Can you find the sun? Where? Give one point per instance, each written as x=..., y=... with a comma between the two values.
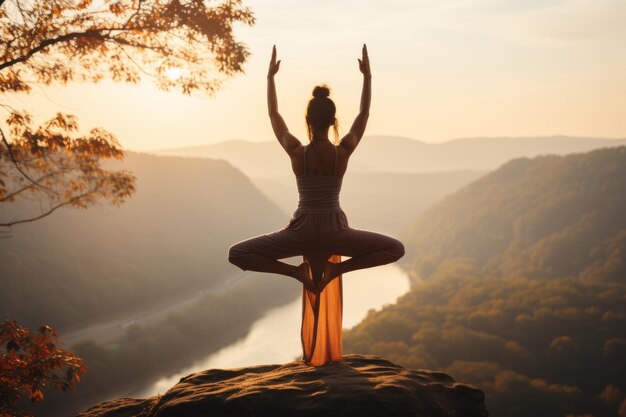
x=174, y=73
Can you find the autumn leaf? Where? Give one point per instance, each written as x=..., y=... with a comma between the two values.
x=38, y=364
x=36, y=396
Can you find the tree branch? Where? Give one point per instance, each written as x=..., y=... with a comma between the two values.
x=47, y=213
x=121, y=41
x=91, y=33
x=132, y=16
x=43, y=45
x=26, y=187
x=17, y=165
x=131, y=59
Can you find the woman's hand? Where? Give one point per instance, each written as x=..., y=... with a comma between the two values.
x=364, y=63
x=274, y=65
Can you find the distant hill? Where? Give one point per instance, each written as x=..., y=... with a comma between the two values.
x=383, y=201
x=549, y=216
x=172, y=236
x=522, y=289
x=390, y=179
x=398, y=154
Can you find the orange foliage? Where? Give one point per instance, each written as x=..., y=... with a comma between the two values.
x=50, y=163
x=64, y=40
x=58, y=41
x=31, y=362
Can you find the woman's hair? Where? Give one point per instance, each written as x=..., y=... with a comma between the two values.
x=320, y=112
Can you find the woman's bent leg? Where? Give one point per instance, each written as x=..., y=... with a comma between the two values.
x=261, y=254
x=365, y=249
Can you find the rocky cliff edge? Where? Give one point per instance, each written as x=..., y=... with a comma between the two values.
x=360, y=385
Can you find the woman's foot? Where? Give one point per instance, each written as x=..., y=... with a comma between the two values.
x=302, y=275
x=331, y=270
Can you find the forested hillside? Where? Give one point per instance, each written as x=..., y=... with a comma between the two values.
x=523, y=289
x=549, y=216
x=171, y=237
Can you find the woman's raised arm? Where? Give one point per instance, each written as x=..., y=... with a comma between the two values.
x=352, y=139
x=289, y=142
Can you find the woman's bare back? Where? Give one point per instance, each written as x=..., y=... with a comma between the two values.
x=320, y=159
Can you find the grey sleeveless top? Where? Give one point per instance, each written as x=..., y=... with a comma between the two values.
x=318, y=191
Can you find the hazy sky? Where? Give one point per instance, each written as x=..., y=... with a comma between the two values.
x=442, y=69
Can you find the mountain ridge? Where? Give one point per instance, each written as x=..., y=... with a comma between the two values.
x=379, y=153
x=404, y=138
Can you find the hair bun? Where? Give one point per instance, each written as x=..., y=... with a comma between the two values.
x=321, y=91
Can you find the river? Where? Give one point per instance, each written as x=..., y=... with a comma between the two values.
x=275, y=337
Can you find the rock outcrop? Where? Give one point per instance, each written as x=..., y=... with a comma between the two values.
x=361, y=385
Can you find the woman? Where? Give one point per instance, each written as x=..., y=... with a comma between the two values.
x=319, y=229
